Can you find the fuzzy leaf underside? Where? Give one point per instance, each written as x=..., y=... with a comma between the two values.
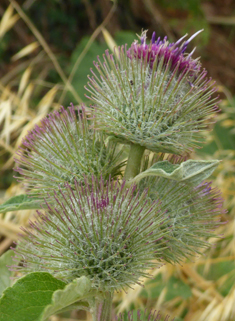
x=28, y=297
x=61, y=299
x=191, y=172
x=5, y=274
x=20, y=202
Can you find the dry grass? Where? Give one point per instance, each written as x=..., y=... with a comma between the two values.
x=26, y=97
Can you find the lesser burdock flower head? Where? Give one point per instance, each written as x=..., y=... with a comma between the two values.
x=103, y=231
x=193, y=214
x=65, y=146
x=155, y=95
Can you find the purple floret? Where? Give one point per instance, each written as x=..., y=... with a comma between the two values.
x=173, y=53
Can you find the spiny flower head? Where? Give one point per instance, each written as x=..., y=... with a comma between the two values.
x=102, y=231
x=193, y=213
x=154, y=95
x=64, y=147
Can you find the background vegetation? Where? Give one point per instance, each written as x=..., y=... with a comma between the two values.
x=46, y=51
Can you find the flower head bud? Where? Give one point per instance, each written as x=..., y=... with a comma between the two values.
x=63, y=148
x=154, y=95
x=102, y=231
x=193, y=213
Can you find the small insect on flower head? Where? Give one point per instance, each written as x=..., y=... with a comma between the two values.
x=154, y=95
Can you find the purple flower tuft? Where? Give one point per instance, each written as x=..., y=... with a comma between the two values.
x=170, y=53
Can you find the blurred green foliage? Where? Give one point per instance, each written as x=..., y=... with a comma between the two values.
x=58, y=20
x=216, y=271
x=223, y=134
x=174, y=288
x=190, y=5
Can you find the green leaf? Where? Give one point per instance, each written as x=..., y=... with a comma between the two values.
x=20, y=202
x=219, y=270
x=28, y=297
x=174, y=288
x=223, y=139
x=123, y=37
x=76, y=290
x=191, y=171
x=5, y=274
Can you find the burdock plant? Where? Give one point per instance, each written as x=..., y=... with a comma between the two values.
x=105, y=223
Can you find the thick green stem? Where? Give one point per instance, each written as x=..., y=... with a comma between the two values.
x=134, y=161
x=102, y=307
